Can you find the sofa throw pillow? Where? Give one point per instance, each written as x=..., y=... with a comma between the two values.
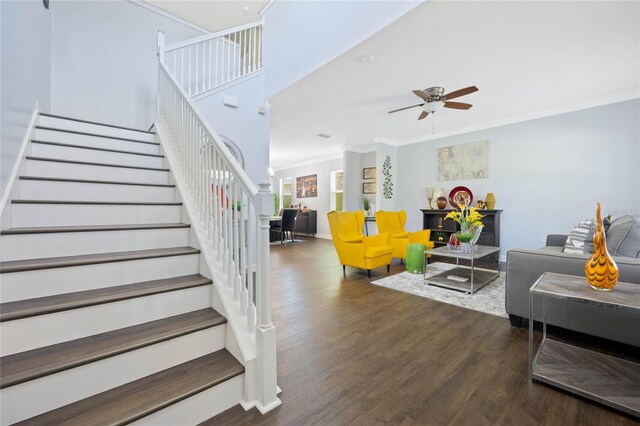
x=589, y=247
x=623, y=237
x=577, y=238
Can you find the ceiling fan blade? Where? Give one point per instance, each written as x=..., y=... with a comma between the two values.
x=457, y=105
x=402, y=109
x=460, y=92
x=423, y=115
x=422, y=95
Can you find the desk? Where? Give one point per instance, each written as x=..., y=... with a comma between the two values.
x=366, y=220
x=273, y=220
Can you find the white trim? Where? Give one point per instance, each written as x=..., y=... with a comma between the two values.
x=169, y=15
x=266, y=7
x=323, y=236
x=309, y=162
x=227, y=85
x=19, y=158
x=577, y=106
x=360, y=149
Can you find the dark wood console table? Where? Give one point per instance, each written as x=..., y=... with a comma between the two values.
x=433, y=220
x=307, y=223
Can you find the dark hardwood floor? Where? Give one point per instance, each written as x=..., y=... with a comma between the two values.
x=351, y=353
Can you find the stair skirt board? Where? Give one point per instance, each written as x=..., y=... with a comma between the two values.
x=43, y=330
x=28, y=215
x=79, y=153
x=36, y=246
x=54, y=169
x=55, y=390
x=86, y=191
x=48, y=282
x=96, y=141
x=79, y=125
x=199, y=407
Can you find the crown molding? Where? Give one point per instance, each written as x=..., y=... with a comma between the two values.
x=266, y=7
x=576, y=106
x=309, y=162
x=360, y=149
x=169, y=15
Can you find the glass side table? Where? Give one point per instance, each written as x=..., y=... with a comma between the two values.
x=603, y=378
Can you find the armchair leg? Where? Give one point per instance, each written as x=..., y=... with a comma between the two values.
x=344, y=269
x=388, y=268
x=369, y=273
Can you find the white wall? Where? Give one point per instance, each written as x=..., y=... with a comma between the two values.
x=322, y=202
x=301, y=36
x=25, y=71
x=547, y=174
x=352, y=166
x=243, y=125
x=104, y=60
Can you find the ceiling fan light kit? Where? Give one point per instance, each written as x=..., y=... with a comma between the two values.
x=435, y=99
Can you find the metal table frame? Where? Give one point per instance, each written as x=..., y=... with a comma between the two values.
x=485, y=275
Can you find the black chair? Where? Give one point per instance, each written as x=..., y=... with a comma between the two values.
x=287, y=224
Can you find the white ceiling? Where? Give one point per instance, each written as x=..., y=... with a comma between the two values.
x=213, y=15
x=529, y=59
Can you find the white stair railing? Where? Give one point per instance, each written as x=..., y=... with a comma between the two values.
x=230, y=216
x=207, y=62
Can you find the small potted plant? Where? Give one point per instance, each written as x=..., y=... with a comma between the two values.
x=471, y=226
x=366, y=204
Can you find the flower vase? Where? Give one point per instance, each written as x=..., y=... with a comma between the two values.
x=490, y=201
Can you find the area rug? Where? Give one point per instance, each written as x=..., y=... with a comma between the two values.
x=489, y=299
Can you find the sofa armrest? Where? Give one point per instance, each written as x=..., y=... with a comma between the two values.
x=556, y=240
x=524, y=267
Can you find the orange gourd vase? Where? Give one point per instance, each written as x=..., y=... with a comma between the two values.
x=601, y=270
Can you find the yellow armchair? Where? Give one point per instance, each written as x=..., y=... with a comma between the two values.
x=393, y=223
x=353, y=248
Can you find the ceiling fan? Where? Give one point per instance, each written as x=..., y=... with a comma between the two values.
x=435, y=99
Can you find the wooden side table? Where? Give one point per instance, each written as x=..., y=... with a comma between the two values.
x=603, y=378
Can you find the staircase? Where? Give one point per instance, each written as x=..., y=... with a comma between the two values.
x=105, y=300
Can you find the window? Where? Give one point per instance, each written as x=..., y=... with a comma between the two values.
x=337, y=185
x=285, y=192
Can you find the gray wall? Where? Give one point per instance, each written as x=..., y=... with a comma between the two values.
x=25, y=39
x=352, y=166
x=104, y=60
x=243, y=125
x=547, y=174
x=322, y=202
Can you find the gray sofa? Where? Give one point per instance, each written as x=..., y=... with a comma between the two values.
x=524, y=267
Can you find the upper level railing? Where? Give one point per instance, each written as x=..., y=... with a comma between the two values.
x=230, y=217
x=212, y=60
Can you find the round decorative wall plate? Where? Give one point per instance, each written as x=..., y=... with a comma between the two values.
x=460, y=194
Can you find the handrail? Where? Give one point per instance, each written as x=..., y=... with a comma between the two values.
x=245, y=180
x=205, y=63
x=230, y=216
x=210, y=36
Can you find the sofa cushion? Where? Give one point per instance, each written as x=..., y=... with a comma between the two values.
x=578, y=237
x=623, y=237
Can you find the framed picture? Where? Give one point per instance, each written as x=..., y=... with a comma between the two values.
x=369, y=188
x=307, y=186
x=369, y=173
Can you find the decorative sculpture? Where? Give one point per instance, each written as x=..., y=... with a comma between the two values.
x=601, y=270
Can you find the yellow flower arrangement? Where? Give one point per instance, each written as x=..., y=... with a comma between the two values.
x=469, y=220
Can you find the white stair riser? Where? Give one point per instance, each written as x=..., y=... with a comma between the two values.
x=35, y=246
x=83, y=171
x=48, y=282
x=38, y=396
x=81, y=191
x=92, y=155
x=27, y=215
x=95, y=141
x=199, y=407
x=43, y=330
x=79, y=126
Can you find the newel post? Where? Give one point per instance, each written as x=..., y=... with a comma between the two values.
x=267, y=389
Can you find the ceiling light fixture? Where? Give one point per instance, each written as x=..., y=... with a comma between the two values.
x=367, y=59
